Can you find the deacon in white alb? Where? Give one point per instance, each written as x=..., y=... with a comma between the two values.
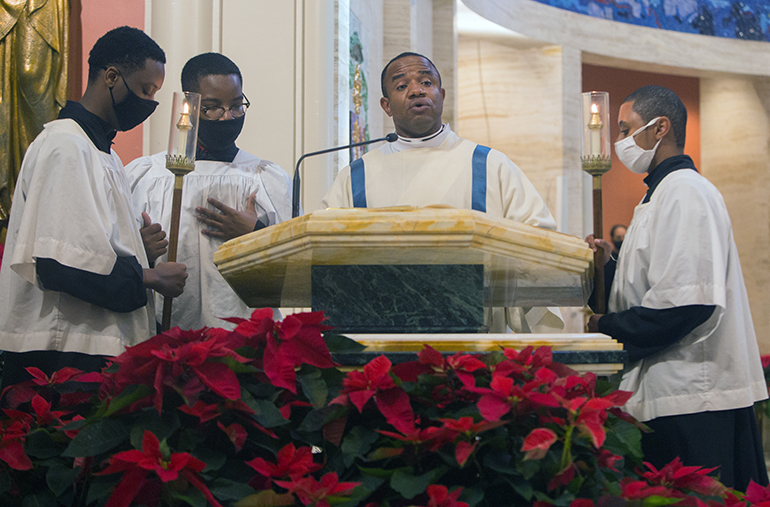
x=230, y=191
x=430, y=164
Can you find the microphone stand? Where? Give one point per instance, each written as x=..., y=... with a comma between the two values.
x=296, y=185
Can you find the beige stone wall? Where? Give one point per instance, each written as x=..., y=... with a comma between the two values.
x=735, y=154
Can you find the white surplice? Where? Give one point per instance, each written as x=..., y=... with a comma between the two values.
x=207, y=297
x=678, y=251
x=71, y=204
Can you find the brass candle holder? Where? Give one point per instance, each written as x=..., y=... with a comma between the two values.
x=180, y=160
x=596, y=161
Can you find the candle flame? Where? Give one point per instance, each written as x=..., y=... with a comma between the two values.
x=594, y=108
x=186, y=108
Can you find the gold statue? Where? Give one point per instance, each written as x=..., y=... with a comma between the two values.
x=33, y=48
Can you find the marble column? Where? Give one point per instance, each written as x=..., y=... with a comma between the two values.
x=183, y=30
x=735, y=156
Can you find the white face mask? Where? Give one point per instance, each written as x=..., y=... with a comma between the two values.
x=632, y=155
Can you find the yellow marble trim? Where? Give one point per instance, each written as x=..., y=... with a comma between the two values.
x=483, y=342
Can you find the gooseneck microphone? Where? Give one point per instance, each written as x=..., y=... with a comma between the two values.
x=296, y=187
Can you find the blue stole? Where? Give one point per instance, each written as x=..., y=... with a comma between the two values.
x=478, y=187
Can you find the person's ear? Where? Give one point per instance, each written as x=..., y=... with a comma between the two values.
x=385, y=105
x=111, y=76
x=663, y=127
x=443, y=94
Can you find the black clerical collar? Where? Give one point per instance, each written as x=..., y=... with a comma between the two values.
x=665, y=168
x=224, y=155
x=98, y=131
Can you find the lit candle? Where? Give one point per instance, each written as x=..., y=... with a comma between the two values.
x=595, y=125
x=184, y=125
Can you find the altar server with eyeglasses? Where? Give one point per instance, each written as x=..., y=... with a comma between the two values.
x=230, y=193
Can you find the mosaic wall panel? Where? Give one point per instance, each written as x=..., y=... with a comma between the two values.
x=747, y=19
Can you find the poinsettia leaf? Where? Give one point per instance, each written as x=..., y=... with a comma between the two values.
x=383, y=473
x=463, y=451
x=395, y=405
x=60, y=477
x=191, y=496
x=267, y=414
x=98, y=437
x=357, y=443
x=338, y=343
x=492, y=407
x=624, y=439
x=236, y=366
x=313, y=385
x=521, y=486
x=659, y=501
x=316, y=419
x=40, y=445
x=227, y=490
x=267, y=498
x=410, y=485
x=12, y=452
x=129, y=395
x=220, y=379
x=162, y=426
x=40, y=499
x=384, y=453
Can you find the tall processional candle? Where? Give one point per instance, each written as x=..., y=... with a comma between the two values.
x=596, y=161
x=180, y=160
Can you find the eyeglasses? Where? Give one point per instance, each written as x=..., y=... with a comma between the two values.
x=215, y=113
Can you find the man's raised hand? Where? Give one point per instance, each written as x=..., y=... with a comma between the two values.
x=154, y=238
x=228, y=223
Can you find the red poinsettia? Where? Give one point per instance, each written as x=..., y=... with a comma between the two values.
x=319, y=493
x=164, y=359
x=694, y=478
x=375, y=382
x=439, y=496
x=292, y=463
x=12, y=434
x=137, y=465
x=537, y=443
x=758, y=495
x=44, y=414
x=288, y=344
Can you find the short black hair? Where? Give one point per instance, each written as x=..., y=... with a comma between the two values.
x=653, y=101
x=403, y=55
x=207, y=64
x=615, y=228
x=125, y=47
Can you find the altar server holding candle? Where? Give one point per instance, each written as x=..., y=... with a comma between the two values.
x=75, y=277
x=230, y=193
x=679, y=305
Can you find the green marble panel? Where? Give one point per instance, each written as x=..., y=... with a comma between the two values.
x=400, y=299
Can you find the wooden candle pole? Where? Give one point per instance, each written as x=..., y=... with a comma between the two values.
x=601, y=306
x=173, y=240
x=179, y=164
x=596, y=164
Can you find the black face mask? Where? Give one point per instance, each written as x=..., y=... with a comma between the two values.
x=617, y=245
x=132, y=110
x=215, y=135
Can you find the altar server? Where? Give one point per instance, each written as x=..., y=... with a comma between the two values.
x=230, y=193
x=430, y=164
x=75, y=277
x=679, y=305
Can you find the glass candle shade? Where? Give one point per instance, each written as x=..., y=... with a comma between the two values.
x=596, y=124
x=183, y=136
